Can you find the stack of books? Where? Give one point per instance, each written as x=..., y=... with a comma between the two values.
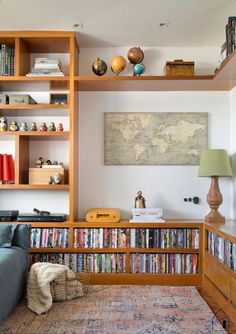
x=7, y=60
x=7, y=173
x=230, y=30
x=153, y=215
x=46, y=67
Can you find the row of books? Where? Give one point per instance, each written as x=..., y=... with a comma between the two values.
x=49, y=237
x=7, y=171
x=230, y=41
x=164, y=263
x=136, y=238
x=223, y=249
x=95, y=263
x=7, y=60
x=46, y=66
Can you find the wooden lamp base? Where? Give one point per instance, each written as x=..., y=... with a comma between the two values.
x=214, y=199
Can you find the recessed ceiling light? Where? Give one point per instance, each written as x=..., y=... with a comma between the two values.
x=165, y=24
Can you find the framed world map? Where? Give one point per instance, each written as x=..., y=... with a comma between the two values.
x=156, y=138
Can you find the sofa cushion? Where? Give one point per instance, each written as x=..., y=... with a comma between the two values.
x=6, y=234
x=21, y=236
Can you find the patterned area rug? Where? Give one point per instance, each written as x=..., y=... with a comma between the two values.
x=121, y=310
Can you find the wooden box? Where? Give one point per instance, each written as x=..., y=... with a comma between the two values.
x=41, y=175
x=178, y=67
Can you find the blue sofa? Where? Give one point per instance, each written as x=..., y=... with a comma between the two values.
x=14, y=244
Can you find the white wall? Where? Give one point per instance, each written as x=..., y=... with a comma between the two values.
x=162, y=186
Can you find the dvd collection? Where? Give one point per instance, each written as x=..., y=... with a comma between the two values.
x=136, y=238
x=49, y=238
x=7, y=60
x=223, y=249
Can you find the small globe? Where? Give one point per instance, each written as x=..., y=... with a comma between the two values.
x=99, y=67
x=118, y=64
x=135, y=55
x=139, y=69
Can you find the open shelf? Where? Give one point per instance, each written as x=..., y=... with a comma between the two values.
x=39, y=134
x=34, y=186
x=33, y=106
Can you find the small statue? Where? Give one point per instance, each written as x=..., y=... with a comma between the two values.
x=33, y=126
x=43, y=127
x=55, y=163
x=23, y=126
x=50, y=180
x=139, y=201
x=3, y=124
x=60, y=127
x=52, y=127
x=47, y=163
x=14, y=126
x=39, y=162
x=57, y=178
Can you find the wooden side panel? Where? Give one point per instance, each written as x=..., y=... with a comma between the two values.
x=22, y=159
x=73, y=166
x=233, y=291
x=22, y=58
x=217, y=274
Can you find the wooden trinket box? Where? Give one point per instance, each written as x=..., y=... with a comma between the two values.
x=178, y=67
x=41, y=175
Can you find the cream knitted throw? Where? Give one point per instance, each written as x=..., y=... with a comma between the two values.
x=48, y=282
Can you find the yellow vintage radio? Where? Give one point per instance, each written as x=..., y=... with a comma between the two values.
x=98, y=215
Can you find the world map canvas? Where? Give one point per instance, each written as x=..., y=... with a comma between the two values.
x=156, y=138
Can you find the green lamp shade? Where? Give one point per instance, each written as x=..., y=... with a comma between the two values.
x=215, y=162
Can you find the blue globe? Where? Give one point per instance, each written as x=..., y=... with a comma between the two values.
x=139, y=69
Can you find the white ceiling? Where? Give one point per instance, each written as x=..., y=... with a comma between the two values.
x=124, y=22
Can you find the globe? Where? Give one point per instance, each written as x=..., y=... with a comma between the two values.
x=99, y=67
x=139, y=69
x=135, y=55
x=118, y=64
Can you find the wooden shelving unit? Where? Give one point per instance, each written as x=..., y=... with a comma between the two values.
x=219, y=278
x=26, y=44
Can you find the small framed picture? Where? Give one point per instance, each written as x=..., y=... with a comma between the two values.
x=59, y=98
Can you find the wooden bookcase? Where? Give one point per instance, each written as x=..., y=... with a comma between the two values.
x=219, y=277
x=27, y=45
x=127, y=277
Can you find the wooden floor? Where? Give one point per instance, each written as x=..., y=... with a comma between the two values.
x=228, y=323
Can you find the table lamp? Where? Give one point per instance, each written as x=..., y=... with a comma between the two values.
x=214, y=163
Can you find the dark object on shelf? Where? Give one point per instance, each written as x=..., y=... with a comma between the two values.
x=21, y=99
x=48, y=162
x=58, y=98
x=55, y=163
x=42, y=213
x=33, y=126
x=138, y=69
x=43, y=127
x=60, y=127
x=135, y=55
x=52, y=127
x=3, y=124
x=31, y=217
x=8, y=215
x=99, y=67
x=23, y=126
x=4, y=99
x=178, y=67
x=39, y=162
x=14, y=126
x=139, y=201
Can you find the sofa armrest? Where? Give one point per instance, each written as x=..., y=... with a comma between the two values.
x=21, y=236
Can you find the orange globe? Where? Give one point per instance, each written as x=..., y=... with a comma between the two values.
x=118, y=64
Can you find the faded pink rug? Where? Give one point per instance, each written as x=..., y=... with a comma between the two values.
x=121, y=310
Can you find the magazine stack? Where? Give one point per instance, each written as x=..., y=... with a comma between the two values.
x=149, y=215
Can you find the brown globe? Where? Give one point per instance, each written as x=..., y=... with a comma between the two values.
x=99, y=67
x=118, y=64
x=135, y=55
